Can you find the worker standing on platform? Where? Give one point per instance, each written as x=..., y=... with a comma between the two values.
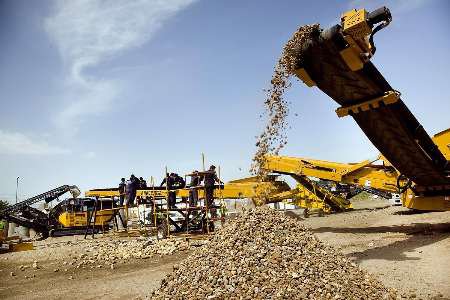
x=132, y=186
x=142, y=183
x=210, y=178
x=122, y=191
x=193, y=191
x=179, y=182
x=170, y=181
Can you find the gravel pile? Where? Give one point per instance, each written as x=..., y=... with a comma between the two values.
x=109, y=252
x=264, y=254
x=138, y=248
x=274, y=137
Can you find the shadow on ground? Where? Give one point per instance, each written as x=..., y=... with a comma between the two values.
x=417, y=235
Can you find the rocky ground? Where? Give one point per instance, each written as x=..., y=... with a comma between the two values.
x=72, y=267
x=405, y=251
x=264, y=254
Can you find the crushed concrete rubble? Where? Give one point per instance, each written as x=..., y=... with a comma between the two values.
x=263, y=254
x=112, y=250
x=109, y=251
x=274, y=138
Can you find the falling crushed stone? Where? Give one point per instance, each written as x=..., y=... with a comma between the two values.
x=274, y=137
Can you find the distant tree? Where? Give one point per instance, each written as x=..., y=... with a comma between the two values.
x=3, y=204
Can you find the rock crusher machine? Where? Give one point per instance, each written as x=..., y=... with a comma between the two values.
x=326, y=187
x=337, y=61
x=69, y=216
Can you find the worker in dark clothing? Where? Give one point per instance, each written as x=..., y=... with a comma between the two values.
x=179, y=182
x=129, y=190
x=132, y=188
x=209, y=179
x=169, y=181
x=142, y=183
x=165, y=180
x=193, y=191
x=122, y=191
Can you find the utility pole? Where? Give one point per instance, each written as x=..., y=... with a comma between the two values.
x=17, y=187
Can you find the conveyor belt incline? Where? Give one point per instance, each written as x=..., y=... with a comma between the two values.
x=393, y=129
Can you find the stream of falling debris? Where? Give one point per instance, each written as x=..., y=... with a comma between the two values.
x=274, y=136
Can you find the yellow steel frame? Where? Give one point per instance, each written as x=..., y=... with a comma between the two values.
x=269, y=191
x=432, y=203
x=364, y=173
x=301, y=197
x=237, y=189
x=356, y=29
x=442, y=140
x=304, y=76
x=390, y=98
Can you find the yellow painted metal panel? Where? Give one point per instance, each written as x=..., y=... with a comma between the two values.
x=430, y=203
x=21, y=247
x=442, y=140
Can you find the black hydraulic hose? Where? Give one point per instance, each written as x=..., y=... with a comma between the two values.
x=378, y=28
x=402, y=189
x=380, y=15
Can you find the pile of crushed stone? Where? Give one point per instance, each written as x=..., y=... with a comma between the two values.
x=263, y=254
x=274, y=137
x=140, y=248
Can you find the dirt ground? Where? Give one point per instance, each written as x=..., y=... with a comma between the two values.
x=57, y=278
x=405, y=250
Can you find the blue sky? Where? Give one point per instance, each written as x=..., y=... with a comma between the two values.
x=92, y=91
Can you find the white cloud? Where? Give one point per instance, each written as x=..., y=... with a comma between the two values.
x=88, y=32
x=90, y=155
x=18, y=143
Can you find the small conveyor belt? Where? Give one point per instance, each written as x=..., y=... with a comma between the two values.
x=336, y=202
x=47, y=197
x=393, y=129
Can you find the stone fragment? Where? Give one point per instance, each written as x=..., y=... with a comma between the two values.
x=35, y=265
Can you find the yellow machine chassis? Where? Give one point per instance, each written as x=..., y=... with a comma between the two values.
x=80, y=219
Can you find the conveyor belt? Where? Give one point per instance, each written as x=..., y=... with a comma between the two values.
x=30, y=217
x=336, y=202
x=47, y=197
x=393, y=129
